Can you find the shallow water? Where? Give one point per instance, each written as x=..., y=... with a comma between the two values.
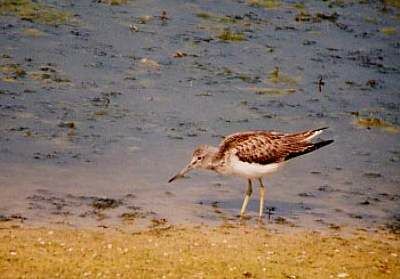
x=123, y=125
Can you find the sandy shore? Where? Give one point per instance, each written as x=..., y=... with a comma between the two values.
x=93, y=111
x=232, y=251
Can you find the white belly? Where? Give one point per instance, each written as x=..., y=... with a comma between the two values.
x=251, y=170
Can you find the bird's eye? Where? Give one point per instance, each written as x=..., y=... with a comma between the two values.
x=199, y=158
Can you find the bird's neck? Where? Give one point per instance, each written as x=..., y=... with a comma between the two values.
x=215, y=162
x=211, y=157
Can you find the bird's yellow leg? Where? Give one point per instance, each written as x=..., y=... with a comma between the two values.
x=262, y=195
x=246, y=198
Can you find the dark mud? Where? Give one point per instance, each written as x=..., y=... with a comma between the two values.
x=99, y=108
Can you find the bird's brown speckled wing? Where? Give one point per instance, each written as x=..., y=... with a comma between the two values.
x=264, y=147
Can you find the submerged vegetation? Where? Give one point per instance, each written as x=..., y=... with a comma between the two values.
x=276, y=76
x=372, y=122
x=268, y=4
x=33, y=32
x=11, y=72
x=228, y=35
x=216, y=18
x=273, y=91
x=389, y=30
x=34, y=11
x=48, y=73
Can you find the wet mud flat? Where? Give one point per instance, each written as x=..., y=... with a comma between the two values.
x=101, y=101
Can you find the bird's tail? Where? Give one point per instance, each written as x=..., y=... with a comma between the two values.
x=312, y=134
x=312, y=148
x=320, y=144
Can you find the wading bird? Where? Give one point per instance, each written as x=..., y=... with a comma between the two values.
x=253, y=155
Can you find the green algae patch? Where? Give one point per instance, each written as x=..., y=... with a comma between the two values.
x=216, y=18
x=372, y=122
x=34, y=11
x=388, y=31
x=201, y=252
x=49, y=74
x=299, y=6
x=276, y=76
x=268, y=4
x=228, y=35
x=11, y=72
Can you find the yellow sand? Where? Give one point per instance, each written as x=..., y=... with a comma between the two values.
x=196, y=252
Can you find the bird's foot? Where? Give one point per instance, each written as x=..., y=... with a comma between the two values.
x=244, y=217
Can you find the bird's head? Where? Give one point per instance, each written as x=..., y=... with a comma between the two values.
x=201, y=159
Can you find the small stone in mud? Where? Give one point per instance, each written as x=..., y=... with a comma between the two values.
x=326, y=188
x=93, y=213
x=355, y=216
x=105, y=203
x=4, y=218
x=133, y=28
x=282, y=221
x=144, y=19
x=372, y=83
x=133, y=207
x=150, y=63
x=18, y=217
x=215, y=204
x=158, y=222
x=307, y=194
x=334, y=226
x=394, y=159
x=131, y=216
x=63, y=213
x=68, y=124
x=309, y=43
x=372, y=175
x=47, y=68
x=366, y=202
x=247, y=274
x=175, y=137
x=180, y=54
x=191, y=135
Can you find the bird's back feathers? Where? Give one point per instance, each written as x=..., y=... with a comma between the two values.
x=266, y=147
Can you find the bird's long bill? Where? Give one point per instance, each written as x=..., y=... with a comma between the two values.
x=181, y=173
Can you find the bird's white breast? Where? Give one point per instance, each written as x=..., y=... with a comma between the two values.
x=251, y=170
